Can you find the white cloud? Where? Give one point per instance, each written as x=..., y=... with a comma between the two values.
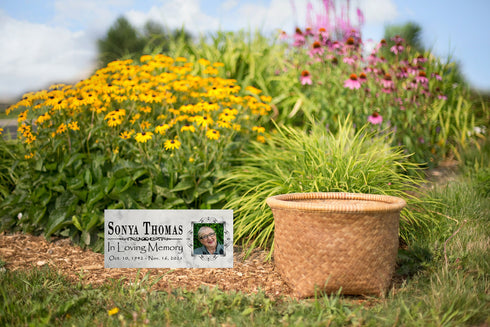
x=177, y=14
x=35, y=55
x=378, y=11
x=229, y=4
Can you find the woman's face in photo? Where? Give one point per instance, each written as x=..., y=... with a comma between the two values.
x=208, y=238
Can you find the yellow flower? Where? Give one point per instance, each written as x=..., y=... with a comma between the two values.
x=171, y=144
x=1, y=130
x=113, y=122
x=265, y=98
x=22, y=116
x=113, y=311
x=261, y=138
x=253, y=90
x=258, y=129
x=162, y=129
x=61, y=128
x=212, y=134
x=43, y=118
x=203, y=120
x=29, y=156
x=143, y=137
x=188, y=128
x=145, y=125
x=146, y=109
x=224, y=124
x=226, y=116
x=125, y=135
x=204, y=62
x=191, y=160
x=74, y=126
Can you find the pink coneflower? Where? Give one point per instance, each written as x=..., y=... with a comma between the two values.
x=420, y=58
x=322, y=32
x=305, y=78
x=352, y=83
x=283, y=35
x=387, y=90
x=387, y=82
x=422, y=77
x=397, y=48
x=362, y=77
x=375, y=118
x=402, y=72
x=437, y=76
x=317, y=49
x=299, y=38
x=350, y=60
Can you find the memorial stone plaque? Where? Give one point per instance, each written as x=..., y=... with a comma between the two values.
x=168, y=238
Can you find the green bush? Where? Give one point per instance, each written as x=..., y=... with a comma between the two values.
x=158, y=134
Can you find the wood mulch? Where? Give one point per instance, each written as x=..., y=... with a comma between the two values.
x=248, y=275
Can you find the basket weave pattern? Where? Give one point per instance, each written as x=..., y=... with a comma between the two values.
x=332, y=241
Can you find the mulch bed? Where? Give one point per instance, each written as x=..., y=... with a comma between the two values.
x=248, y=275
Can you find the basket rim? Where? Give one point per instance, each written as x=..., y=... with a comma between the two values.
x=373, y=202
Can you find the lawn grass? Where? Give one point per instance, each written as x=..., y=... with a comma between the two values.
x=443, y=272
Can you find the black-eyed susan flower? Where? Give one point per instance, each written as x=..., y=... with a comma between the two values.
x=22, y=116
x=113, y=122
x=74, y=126
x=212, y=134
x=188, y=128
x=143, y=137
x=171, y=144
x=61, y=128
x=162, y=129
x=224, y=124
x=203, y=121
x=253, y=90
x=145, y=124
x=125, y=135
x=258, y=129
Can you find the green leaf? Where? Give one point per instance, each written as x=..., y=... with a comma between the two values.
x=87, y=177
x=108, y=184
x=76, y=223
x=75, y=183
x=85, y=238
x=95, y=195
x=121, y=185
x=184, y=184
x=139, y=173
x=56, y=220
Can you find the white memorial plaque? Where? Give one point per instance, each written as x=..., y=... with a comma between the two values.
x=168, y=239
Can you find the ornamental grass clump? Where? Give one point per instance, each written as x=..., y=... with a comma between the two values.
x=318, y=160
x=154, y=134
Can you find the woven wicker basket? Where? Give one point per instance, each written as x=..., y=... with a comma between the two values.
x=336, y=241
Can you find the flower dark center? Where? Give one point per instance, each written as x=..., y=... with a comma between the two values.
x=305, y=73
x=353, y=77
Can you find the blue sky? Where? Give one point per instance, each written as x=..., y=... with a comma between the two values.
x=52, y=41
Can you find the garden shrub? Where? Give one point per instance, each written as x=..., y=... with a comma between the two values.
x=158, y=134
x=318, y=160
